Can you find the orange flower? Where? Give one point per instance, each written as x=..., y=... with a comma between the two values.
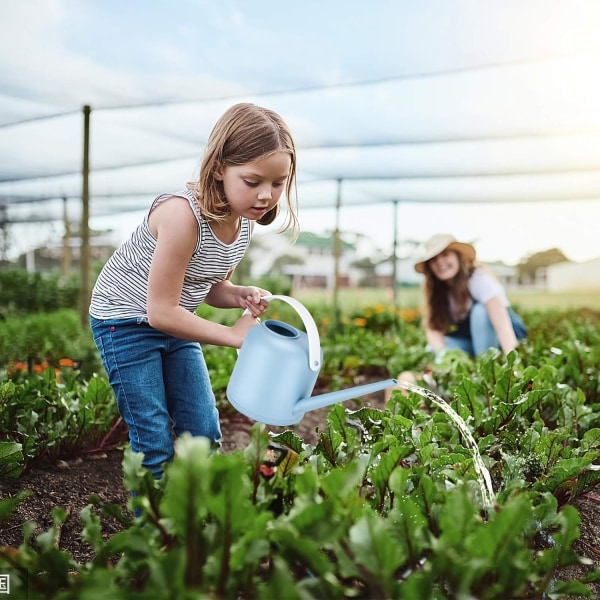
x=17, y=366
x=67, y=362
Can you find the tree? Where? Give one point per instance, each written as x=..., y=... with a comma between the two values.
x=283, y=260
x=368, y=268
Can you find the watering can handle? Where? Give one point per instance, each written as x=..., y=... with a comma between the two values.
x=314, y=343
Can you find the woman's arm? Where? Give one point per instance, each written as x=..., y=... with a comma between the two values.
x=502, y=324
x=176, y=231
x=435, y=339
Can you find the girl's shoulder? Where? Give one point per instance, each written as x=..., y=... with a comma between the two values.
x=185, y=193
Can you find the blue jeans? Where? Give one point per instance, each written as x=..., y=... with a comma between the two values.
x=480, y=334
x=161, y=384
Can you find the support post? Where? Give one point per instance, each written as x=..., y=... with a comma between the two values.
x=395, y=291
x=85, y=217
x=66, y=256
x=337, y=251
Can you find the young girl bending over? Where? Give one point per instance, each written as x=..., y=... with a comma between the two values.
x=466, y=306
x=143, y=305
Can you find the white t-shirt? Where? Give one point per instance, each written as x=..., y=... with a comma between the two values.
x=483, y=287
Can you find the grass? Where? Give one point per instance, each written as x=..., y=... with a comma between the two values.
x=526, y=299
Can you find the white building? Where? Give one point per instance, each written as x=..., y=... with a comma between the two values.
x=573, y=276
x=311, y=262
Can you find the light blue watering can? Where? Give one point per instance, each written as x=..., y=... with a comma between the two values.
x=277, y=368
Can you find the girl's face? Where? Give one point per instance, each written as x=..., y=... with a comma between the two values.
x=255, y=188
x=445, y=265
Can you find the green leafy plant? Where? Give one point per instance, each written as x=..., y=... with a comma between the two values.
x=42, y=420
x=386, y=503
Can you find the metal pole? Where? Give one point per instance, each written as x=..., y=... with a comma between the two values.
x=395, y=257
x=85, y=217
x=66, y=257
x=336, y=256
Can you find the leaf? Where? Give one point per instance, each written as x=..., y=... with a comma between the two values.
x=303, y=552
x=317, y=521
x=563, y=475
x=11, y=459
x=281, y=583
x=458, y=517
x=591, y=439
x=345, y=480
x=187, y=486
x=133, y=470
x=286, y=466
x=8, y=505
x=587, y=481
x=375, y=548
x=370, y=417
x=290, y=439
x=411, y=527
x=504, y=412
x=388, y=462
x=92, y=529
x=328, y=444
x=337, y=419
x=228, y=496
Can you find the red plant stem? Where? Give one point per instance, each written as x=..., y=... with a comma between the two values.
x=107, y=436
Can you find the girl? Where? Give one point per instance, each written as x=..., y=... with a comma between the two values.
x=143, y=305
x=466, y=306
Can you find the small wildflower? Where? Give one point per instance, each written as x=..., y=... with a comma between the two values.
x=67, y=362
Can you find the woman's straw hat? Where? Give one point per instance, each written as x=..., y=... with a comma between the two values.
x=440, y=242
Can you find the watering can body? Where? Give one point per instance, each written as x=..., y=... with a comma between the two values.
x=276, y=371
x=270, y=370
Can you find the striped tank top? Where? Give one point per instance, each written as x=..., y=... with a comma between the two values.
x=120, y=292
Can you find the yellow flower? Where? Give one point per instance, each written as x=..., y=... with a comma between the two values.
x=408, y=314
x=360, y=322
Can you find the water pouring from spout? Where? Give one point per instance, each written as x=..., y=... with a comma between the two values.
x=483, y=474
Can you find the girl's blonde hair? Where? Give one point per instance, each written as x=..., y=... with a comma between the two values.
x=437, y=293
x=243, y=134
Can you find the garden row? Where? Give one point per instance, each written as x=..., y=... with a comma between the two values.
x=387, y=504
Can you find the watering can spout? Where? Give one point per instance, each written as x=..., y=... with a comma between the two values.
x=322, y=400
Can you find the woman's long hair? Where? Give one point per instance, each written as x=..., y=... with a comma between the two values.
x=437, y=314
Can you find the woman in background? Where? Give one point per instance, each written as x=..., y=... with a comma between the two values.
x=466, y=307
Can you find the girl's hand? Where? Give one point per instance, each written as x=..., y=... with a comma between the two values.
x=241, y=328
x=251, y=299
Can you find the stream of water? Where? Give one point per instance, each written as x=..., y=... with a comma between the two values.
x=483, y=475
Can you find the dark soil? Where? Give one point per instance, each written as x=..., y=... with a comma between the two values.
x=69, y=484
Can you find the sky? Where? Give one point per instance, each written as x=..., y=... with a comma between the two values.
x=475, y=117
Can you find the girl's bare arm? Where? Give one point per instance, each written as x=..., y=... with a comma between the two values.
x=176, y=229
